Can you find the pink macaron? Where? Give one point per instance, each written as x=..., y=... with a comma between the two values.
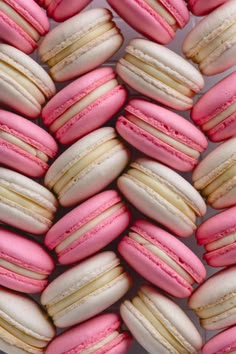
x=162, y=259
x=59, y=9
x=24, y=264
x=158, y=20
x=89, y=227
x=84, y=105
x=215, y=111
x=24, y=146
x=217, y=235
x=222, y=343
x=22, y=23
x=101, y=334
x=161, y=134
x=203, y=7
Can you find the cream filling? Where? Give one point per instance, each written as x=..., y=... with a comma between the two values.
x=83, y=163
x=24, y=337
x=100, y=344
x=224, y=241
x=82, y=41
x=163, y=12
x=22, y=80
x=19, y=20
x=219, y=118
x=159, y=326
x=23, y=145
x=164, y=137
x=206, y=51
x=24, y=202
x=159, y=187
x=220, y=180
x=219, y=307
x=20, y=270
x=89, y=226
x=162, y=255
x=159, y=75
x=86, y=290
x=82, y=104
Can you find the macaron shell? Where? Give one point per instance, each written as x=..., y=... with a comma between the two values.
x=60, y=11
x=201, y=7
x=223, y=342
x=8, y=348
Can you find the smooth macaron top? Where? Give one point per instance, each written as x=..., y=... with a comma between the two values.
x=203, y=7
x=99, y=333
x=156, y=20
x=60, y=11
x=217, y=116
x=222, y=343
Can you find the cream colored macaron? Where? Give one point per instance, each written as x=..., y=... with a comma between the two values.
x=87, y=167
x=86, y=289
x=80, y=44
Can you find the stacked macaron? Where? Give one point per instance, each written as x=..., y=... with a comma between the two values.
x=100, y=191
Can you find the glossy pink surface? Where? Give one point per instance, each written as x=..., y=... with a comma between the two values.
x=203, y=7
x=60, y=11
x=222, y=343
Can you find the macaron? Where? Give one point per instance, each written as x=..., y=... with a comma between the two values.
x=161, y=134
x=102, y=333
x=87, y=167
x=212, y=42
x=24, y=146
x=215, y=178
x=80, y=44
x=59, y=9
x=222, y=343
x=24, y=264
x=89, y=227
x=214, y=300
x=203, y=7
x=163, y=195
x=24, y=203
x=86, y=289
x=24, y=84
x=161, y=259
x=25, y=327
x=159, y=324
x=217, y=235
x=215, y=111
x=157, y=20
x=159, y=73
x=84, y=105
x=22, y=23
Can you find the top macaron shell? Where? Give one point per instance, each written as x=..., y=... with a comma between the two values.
x=90, y=115
x=222, y=343
x=27, y=142
x=145, y=18
x=59, y=9
x=217, y=117
x=203, y=7
x=179, y=144
x=16, y=34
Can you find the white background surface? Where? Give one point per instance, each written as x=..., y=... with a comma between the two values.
x=129, y=33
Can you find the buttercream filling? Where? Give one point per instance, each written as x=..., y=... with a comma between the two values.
x=159, y=326
x=89, y=226
x=224, y=177
x=161, y=188
x=23, y=145
x=20, y=270
x=216, y=41
x=157, y=251
x=24, y=202
x=82, y=104
x=22, y=80
x=96, y=32
x=163, y=12
x=19, y=20
x=100, y=344
x=162, y=136
x=24, y=337
x=222, y=242
x=219, y=118
x=86, y=290
x=84, y=162
x=159, y=75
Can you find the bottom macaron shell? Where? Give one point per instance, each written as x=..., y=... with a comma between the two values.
x=222, y=343
x=153, y=269
x=222, y=257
